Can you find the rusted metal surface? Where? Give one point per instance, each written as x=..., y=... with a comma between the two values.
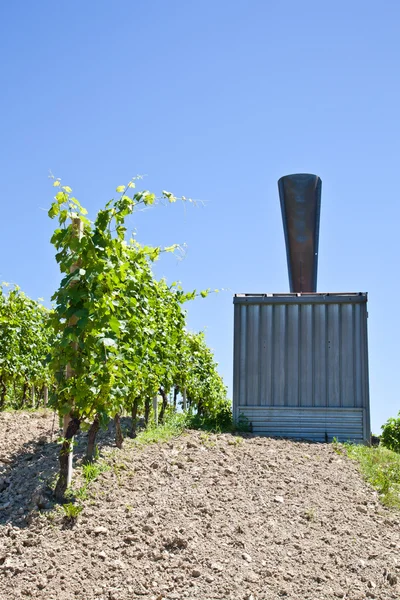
x=300, y=197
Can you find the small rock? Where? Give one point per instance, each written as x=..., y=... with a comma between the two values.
x=100, y=529
x=246, y=557
x=41, y=584
x=29, y=542
x=191, y=444
x=362, y=509
x=149, y=529
x=371, y=584
x=196, y=573
x=209, y=578
x=251, y=577
x=131, y=539
x=39, y=500
x=217, y=567
x=102, y=555
x=229, y=471
x=279, y=499
x=157, y=556
x=177, y=542
x=290, y=575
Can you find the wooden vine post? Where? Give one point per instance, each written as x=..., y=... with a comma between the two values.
x=70, y=425
x=184, y=399
x=77, y=226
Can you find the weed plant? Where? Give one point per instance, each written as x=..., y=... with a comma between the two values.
x=72, y=511
x=91, y=471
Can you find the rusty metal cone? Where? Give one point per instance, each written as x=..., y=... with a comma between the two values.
x=300, y=197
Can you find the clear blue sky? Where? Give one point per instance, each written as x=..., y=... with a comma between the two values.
x=214, y=100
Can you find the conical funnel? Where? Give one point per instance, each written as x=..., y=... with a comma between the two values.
x=300, y=197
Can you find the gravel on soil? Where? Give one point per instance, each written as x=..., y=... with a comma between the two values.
x=199, y=517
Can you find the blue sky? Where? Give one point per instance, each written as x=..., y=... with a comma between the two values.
x=215, y=101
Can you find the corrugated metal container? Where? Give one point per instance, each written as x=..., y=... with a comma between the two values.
x=301, y=365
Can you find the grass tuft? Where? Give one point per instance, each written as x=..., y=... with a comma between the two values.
x=381, y=468
x=174, y=426
x=72, y=511
x=91, y=471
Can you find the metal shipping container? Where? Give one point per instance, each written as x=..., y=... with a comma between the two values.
x=301, y=365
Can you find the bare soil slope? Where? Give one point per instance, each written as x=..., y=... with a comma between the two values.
x=200, y=517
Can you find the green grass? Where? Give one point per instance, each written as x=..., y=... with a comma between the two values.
x=174, y=425
x=381, y=468
x=72, y=511
x=91, y=471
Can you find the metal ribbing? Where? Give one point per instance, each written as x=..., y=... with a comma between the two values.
x=301, y=355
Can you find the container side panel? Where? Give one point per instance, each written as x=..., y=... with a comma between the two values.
x=252, y=344
x=279, y=344
x=293, y=357
x=333, y=359
x=364, y=362
x=266, y=355
x=347, y=391
x=320, y=347
x=318, y=424
x=303, y=357
x=366, y=402
x=243, y=352
x=306, y=355
x=358, y=356
x=236, y=359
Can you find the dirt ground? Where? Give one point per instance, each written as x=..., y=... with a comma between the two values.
x=200, y=517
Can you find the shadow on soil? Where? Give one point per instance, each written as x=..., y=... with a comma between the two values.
x=27, y=477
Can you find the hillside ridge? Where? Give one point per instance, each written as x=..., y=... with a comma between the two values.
x=201, y=516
